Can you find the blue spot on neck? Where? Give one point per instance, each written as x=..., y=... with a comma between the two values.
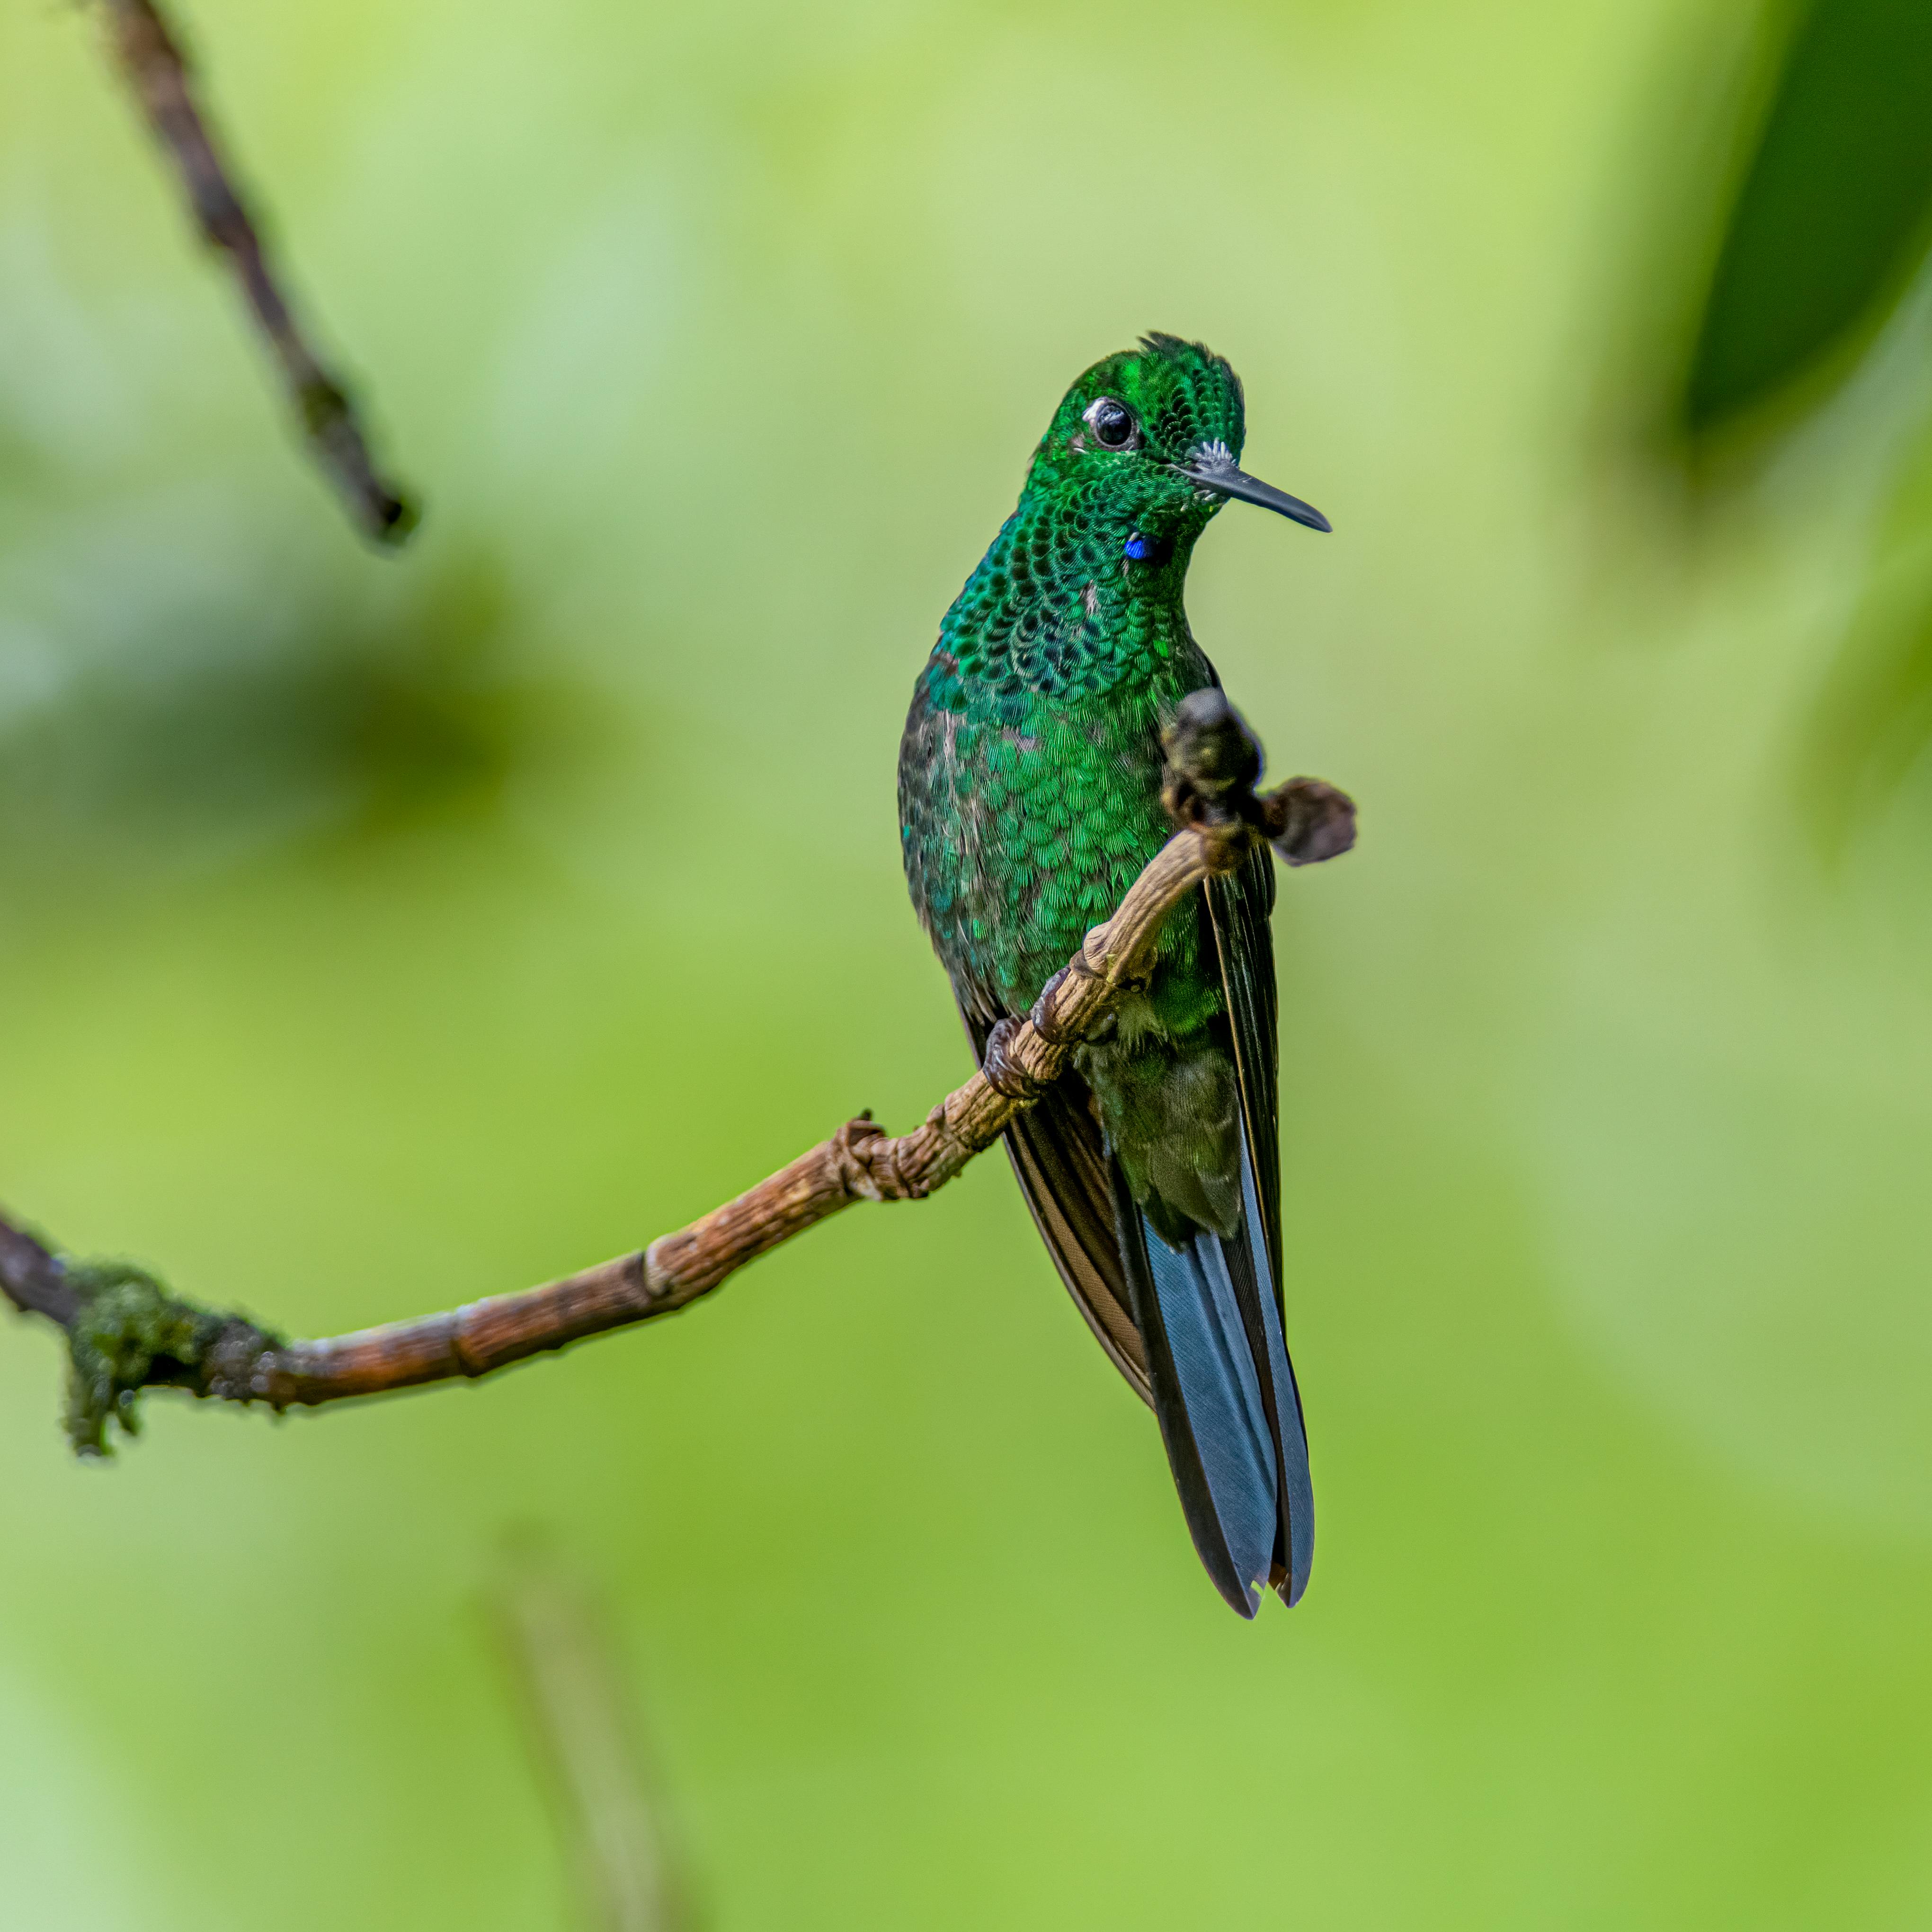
x=1139, y=548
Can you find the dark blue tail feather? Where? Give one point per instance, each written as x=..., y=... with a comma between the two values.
x=1225, y=1394
x=1298, y=1486
x=1222, y=1395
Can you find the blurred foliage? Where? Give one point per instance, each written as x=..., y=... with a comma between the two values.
x=1830, y=216
x=222, y=732
x=1809, y=328
x=1867, y=741
x=566, y=1665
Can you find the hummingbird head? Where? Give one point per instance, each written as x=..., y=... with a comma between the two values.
x=1152, y=437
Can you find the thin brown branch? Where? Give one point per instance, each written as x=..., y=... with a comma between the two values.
x=162, y=79
x=127, y=1332
x=35, y=1279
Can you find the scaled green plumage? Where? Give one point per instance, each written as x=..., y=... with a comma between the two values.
x=1030, y=778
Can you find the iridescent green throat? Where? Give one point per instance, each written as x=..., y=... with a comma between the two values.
x=1057, y=609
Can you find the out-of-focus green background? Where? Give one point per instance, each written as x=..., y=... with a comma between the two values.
x=375, y=933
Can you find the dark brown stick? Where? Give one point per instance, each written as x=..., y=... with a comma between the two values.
x=126, y=1332
x=36, y=1280
x=160, y=74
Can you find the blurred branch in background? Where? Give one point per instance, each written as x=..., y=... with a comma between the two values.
x=577, y=1710
x=127, y=1332
x=158, y=72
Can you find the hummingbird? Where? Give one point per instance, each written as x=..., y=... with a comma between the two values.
x=1029, y=799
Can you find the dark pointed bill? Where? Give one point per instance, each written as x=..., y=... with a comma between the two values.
x=1211, y=467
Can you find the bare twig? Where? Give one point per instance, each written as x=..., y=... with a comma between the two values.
x=160, y=74
x=126, y=1332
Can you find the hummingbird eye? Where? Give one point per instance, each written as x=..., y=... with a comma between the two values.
x=1113, y=424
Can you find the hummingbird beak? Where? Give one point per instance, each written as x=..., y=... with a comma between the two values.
x=1209, y=465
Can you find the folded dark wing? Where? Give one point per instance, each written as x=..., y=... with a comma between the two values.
x=1238, y=908
x=1061, y=1163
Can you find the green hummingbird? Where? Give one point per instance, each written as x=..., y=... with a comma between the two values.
x=1029, y=799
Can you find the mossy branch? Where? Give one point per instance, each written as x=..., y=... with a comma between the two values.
x=126, y=1332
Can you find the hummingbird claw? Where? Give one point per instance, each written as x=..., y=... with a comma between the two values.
x=1004, y=1075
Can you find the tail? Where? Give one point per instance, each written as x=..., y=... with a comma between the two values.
x=1224, y=1391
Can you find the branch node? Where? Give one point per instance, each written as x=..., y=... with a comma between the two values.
x=234, y=1364
x=866, y=1160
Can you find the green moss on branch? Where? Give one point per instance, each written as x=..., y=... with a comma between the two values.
x=130, y=1333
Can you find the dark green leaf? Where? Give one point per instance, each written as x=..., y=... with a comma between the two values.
x=1832, y=213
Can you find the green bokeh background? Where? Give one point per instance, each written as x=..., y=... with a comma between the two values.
x=377, y=933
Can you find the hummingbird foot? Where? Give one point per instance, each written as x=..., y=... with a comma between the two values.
x=1004, y=1074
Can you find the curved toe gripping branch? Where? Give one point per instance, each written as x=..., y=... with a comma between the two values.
x=125, y=1331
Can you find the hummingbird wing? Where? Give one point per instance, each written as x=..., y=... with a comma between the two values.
x=1238, y=909
x=1061, y=1163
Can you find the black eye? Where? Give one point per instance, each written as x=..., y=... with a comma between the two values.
x=1113, y=424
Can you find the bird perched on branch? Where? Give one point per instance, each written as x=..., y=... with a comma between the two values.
x=1029, y=799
